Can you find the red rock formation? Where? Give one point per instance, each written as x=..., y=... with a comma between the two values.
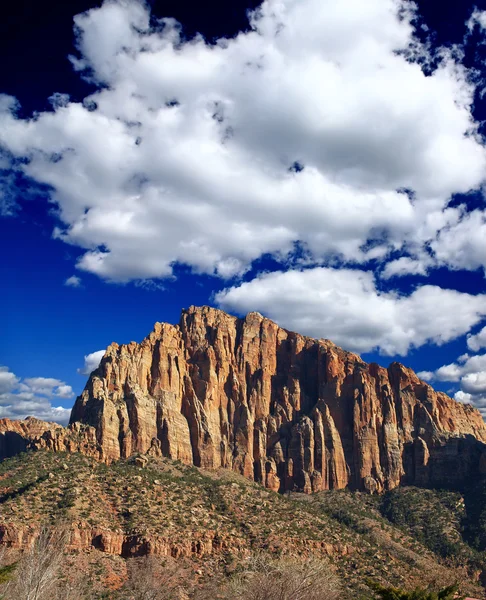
x=83, y=537
x=285, y=410
x=15, y=436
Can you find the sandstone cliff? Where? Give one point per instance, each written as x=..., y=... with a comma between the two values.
x=286, y=410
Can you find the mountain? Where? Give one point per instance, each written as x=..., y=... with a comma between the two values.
x=285, y=410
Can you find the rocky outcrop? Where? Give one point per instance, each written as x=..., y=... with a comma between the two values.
x=286, y=410
x=15, y=436
x=78, y=437
x=81, y=537
x=33, y=434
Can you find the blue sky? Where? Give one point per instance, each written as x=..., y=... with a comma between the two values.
x=320, y=162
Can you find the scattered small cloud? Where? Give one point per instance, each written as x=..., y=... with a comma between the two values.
x=464, y=366
x=405, y=266
x=470, y=373
x=73, y=281
x=8, y=380
x=426, y=375
x=33, y=396
x=91, y=362
x=460, y=245
x=478, y=18
x=150, y=285
x=478, y=341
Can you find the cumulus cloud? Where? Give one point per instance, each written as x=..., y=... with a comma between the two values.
x=91, y=362
x=346, y=306
x=474, y=383
x=465, y=365
x=33, y=396
x=405, y=265
x=477, y=341
x=316, y=126
x=462, y=245
x=73, y=281
x=478, y=400
x=470, y=373
x=7, y=380
x=478, y=18
x=426, y=375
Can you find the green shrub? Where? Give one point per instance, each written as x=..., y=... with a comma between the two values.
x=392, y=593
x=7, y=572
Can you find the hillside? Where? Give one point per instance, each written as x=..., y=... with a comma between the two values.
x=211, y=522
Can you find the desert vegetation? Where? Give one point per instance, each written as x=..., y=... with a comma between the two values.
x=41, y=574
x=157, y=529
x=37, y=573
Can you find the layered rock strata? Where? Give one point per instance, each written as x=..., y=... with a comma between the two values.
x=82, y=537
x=288, y=411
x=282, y=409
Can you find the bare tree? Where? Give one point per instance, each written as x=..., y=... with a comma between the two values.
x=285, y=579
x=38, y=569
x=150, y=578
x=8, y=568
x=76, y=587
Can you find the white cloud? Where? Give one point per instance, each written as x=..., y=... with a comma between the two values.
x=8, y=381
x=464, y=366
x=457, y=241
x=462, y=245
x=48, y=386
x=461, y=396
x=426, y=375
x=450, y=372
x=33, y=396
x=478, y=400
x=478, y=341
x=73, y=281
x=64, y=391
x=478, y=17
x=91, y=362
x=405, y=265
x=346, y=307
x=183, y=154
x=474, y=383
x=470, y=371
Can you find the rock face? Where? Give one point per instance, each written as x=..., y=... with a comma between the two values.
x=15, y=436
x=82, y=537
x=286, y=410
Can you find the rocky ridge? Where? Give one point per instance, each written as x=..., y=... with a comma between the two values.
x=282, y=409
